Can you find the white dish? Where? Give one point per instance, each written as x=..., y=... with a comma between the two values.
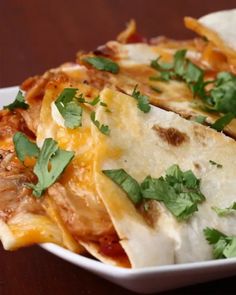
x=145, y=280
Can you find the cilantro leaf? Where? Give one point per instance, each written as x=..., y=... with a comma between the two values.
x=179, y=205
x=24, y=147
x=19, y=102
x=143, y=100
x=200, y=119
x=223, y=246
x=101, y=127
x=95, y=101
x=126, y=182
x=181, y=69
x=69, y=108
x=180, y=62
x=223, y=121
x=165, y=69
x=213, y=235
x=225, y=211
x=161, y=67
x=179, y=191
x=221, y=97
x=193, y=73
x=156, y=89
x=224, y=92
x=215, y=164
x=50, y=164
x=103, y=64
x=103, y=104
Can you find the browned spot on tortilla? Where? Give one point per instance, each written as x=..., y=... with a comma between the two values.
x=200, y=135
x=171, y=135
x=197, y=166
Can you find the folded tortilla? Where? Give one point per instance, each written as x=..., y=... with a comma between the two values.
x=74, y=197
x=140, y=144
x=215, y=55
x=217, y=27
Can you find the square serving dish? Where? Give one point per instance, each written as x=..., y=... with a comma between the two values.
x=145, y=280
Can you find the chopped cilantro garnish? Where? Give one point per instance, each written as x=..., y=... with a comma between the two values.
x=178, y=190
x=223, y=121
x=225, y=211
x=126, y=182
x=19, y=102
x=180, y=69
x=101, y=127
x=223, y=246
x=224, y=92
x=156, y=89
x=200, y=119
x=103, y=64
x=215, y=164
x=51, y=160
x=69, y=108
x=103, y=104
x=220, y=98
x=50, y=164
x=143, y=100
x=94, y=102
x=24, y=147
x=161, y=67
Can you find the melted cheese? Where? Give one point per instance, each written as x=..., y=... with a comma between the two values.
x=26, y=229
x=75, y=199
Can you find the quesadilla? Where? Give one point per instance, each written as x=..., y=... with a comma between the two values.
x=146, y=148
x=121, y=155
x=155, y=68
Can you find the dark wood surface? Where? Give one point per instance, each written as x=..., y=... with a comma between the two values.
x=38, y=35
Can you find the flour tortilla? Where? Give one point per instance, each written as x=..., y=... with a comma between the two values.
x=219, y=28
x=134, y=61
x=223, y=23
x=134, y=145
x=73, y=202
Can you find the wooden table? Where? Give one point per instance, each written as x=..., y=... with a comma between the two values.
x=38, y=35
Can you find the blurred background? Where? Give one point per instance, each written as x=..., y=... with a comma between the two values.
x=38, y=35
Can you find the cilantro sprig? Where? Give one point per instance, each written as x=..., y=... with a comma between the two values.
x=24, y=147
x=101, y=127
x=200, y=119
x=219, y=98
x=94, y=102
x=143, y=100
x=225, y=211
x=222, y=122
x=103, y=64
x=178, y=190
x=180, y=69
x=126, y=182
x=50, y=164
x=223, y=246
x=68, y=104
x=69, y=108
x=19, y=102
